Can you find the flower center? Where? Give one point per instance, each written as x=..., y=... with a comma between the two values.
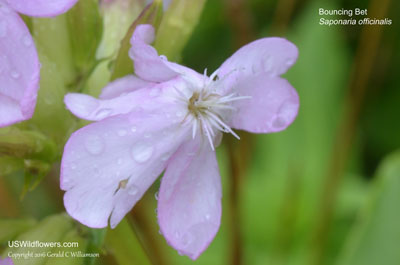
x=207, y=110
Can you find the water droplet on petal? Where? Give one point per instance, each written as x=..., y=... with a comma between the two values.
x=279, y=122
x=208, y=216
x=119, y=161
x=5, y=9
x=165, y=157
x=73, y=166
x=27, y=41
x=177, y=235
x=103, y=113
x=3, y=29
x=94, y=145
x=154, y=92
x=141, y=152
x=133, y=129
x=133, y=190
x=156, y=195
x=15, y=75
x=122, y=132
x=97, y=171
x=147, y=135
x=179, y=114
x=186, y=239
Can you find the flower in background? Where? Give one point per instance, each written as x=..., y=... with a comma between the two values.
x=19, y=63
x=169, y=117
x=6, y=261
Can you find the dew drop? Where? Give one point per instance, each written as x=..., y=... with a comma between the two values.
x=97, y=171
x=5, y=9
x=122, y=132
x=186, y=239
x=208, y=216
x=133, y=129
x=102, y=113
x=119, y=161
x=289, y=62
x=15, y=75
x=147, y=135
x=279, y=122
x=156, y=195
x=3, y=29
x=27, y=41
x=179, y=114
x=165, y=157
x=73, y=166
x=133, y=190
x=94, y=145
x=142, y=152
x=177, y=235
x=154, y=92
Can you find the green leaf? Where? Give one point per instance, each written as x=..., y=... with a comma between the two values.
x=51, y=229
x=52, y=39
x=375, y=237
x=86, y=27
x=35, y=171
x=11, y=228
x=26, y=144
x=123, y=64
x=9, y=165
x=122, y=242
x=51, y=116
x=177, y=26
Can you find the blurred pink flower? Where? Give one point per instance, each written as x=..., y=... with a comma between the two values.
x=19, y=63
x=6, y=261
x=169, y=117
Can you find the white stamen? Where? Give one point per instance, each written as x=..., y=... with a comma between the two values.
x=206, y=129
x=194, y=128
x=207, y=110
x=213, y=75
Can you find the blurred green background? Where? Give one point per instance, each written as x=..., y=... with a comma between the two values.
x=325, y=191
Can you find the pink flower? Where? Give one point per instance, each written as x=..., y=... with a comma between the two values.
x=19, y=63
x=6, y=261
x=169, y=117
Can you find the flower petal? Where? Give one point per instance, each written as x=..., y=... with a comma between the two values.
x=189, y=204
x=19, y=69
x=148, y=65
x=6, y=261
x=271, y=56
x=108, y=165
x=123, y=85
x=145, y=99
x=273, y=105
x=41, y=8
